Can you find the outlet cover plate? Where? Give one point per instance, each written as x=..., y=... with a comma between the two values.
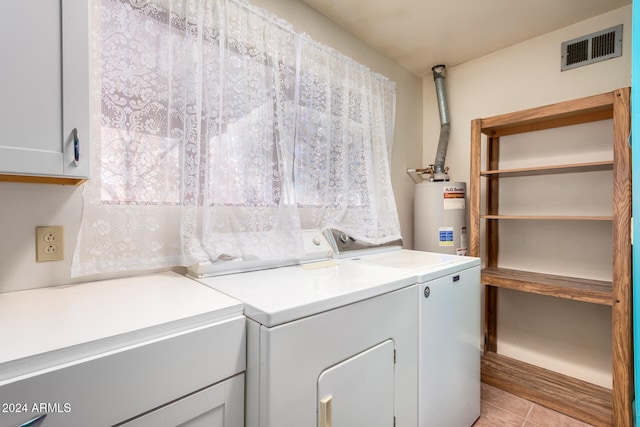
x=50, y=243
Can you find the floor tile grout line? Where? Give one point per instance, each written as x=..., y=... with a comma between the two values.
x=511, y=412
x=529, y=411
x=526, y=417
x=504, y=410
x=529, y=402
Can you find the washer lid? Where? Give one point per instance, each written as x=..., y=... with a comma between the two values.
x=276, y=296
x=424, y=266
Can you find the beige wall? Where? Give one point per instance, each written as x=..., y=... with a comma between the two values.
x=25, y=206
x=567, y=336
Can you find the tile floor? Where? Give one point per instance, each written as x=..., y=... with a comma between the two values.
x=501, y=409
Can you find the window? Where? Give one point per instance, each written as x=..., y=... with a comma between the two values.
x=223, y=134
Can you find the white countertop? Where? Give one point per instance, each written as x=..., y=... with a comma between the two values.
x=45, y=327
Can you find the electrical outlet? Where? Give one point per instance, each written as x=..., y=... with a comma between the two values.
x=50, y=243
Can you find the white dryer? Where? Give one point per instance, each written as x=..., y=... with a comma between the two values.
x=449, y=332
x=328, y=343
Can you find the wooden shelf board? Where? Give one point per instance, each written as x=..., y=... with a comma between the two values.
x=576, y=398
x=34, y=179
x=574, y=288
x=549, y=170
x=550, y=217
x=583, y=110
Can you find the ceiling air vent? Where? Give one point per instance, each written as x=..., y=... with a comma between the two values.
x=594, y=47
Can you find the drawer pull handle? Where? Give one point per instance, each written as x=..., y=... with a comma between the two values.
x=76, y=147
x=32, y=422
x=326, y=412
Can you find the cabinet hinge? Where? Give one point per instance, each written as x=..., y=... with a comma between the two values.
x=394, y=357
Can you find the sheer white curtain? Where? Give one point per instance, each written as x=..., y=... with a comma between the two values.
x=344, y=135
x=222, y=134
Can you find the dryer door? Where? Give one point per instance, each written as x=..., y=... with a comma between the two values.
x=358, y=391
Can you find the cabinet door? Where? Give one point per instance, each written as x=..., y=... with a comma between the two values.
x=221, y=405
x=359, y=391
x=45, y=83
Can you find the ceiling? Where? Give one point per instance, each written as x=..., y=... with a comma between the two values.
x=419, y=34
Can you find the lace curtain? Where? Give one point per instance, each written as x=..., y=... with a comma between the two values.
x=344, y=132
x=223, y=134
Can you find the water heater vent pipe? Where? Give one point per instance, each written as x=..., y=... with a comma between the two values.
x=439, y=171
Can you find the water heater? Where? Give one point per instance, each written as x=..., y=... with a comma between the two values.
x=440, y=217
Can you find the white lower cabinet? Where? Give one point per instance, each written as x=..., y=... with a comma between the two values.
x=192, y=378
x=221, y=405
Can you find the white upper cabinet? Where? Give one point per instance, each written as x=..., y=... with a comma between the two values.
x=44, y=75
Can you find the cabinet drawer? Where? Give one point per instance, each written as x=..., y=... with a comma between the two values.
x=221, y=405
x=119, y=385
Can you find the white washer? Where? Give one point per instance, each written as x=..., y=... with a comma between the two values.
x=450, y=332
x=329, y=341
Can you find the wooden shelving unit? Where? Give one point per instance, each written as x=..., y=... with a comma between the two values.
x=582, y=400
x=587, y=402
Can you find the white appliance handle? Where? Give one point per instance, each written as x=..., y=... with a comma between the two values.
x=326, y=412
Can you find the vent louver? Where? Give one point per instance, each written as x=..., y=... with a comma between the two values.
x=578, y=52
x=595, y=47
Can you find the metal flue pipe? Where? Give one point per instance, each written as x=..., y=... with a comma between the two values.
x=439, y=171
